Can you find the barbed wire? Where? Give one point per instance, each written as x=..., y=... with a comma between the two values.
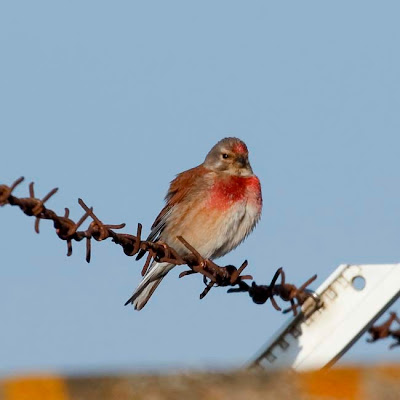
x=213, y=274
x=384, y=331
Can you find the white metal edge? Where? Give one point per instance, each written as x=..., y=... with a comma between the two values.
x=293, y=321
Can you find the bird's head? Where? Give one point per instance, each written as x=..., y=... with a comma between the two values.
x=229, y=155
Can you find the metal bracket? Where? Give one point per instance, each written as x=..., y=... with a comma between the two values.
x=350, y=301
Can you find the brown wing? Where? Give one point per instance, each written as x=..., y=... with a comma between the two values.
x=178, y=190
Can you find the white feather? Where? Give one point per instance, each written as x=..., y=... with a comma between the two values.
x=153, y=277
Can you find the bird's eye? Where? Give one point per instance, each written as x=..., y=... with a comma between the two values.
x=224, y=155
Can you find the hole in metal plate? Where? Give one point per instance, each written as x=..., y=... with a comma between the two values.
x=295, y=332
x=358, y=282
x=270, y=357
x=283, y=344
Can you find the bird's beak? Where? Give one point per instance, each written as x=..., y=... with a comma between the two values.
x=243, y=165
x=242, y=161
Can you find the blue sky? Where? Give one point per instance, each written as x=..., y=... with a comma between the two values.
x=108, y=101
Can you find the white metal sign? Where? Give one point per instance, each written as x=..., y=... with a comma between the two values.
x=352, y=298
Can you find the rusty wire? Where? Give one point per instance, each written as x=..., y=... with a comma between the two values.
x=213, y=274
x=383, y=331
x=286, y=291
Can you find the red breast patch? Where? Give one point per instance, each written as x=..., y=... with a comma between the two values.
x=228, y=191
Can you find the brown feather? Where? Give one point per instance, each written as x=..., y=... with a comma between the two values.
x=179, y=188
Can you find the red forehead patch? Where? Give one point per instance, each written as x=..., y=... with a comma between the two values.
x=240, y=148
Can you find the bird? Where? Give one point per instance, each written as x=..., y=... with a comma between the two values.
x=213, y=206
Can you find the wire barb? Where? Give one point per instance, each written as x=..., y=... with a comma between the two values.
x=286, y=291
x=383, y=331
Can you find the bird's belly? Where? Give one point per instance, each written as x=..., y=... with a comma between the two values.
x=211, y=231
x=238, y=222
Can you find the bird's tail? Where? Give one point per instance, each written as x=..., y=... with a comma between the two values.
x=149, y=283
